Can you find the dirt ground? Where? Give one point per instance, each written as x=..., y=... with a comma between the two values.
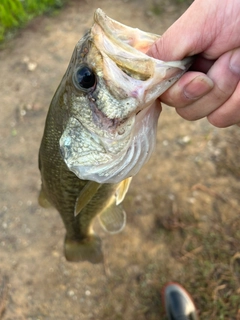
x=183, y=207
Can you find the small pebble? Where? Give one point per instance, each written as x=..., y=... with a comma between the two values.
x=87, y=293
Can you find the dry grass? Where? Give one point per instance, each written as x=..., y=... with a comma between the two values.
x=201, y=248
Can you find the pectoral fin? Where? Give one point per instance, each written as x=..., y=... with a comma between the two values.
x=113, y=219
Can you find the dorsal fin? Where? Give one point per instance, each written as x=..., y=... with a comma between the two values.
x=86, y=195
x=42, y=199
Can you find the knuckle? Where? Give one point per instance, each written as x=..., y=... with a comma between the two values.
x=188, y=114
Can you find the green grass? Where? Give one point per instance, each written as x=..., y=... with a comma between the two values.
x=16, y=13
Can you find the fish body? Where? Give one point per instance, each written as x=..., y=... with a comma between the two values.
x=100, y=130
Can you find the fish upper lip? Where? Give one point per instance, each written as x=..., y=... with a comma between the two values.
x=112, y=37
x=127, y=66
x=108, y=37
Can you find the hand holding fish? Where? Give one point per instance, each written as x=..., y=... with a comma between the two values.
x=210, y=30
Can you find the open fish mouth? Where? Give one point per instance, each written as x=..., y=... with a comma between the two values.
x=123, y=107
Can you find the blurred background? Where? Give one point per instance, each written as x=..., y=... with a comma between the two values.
x=182, y=208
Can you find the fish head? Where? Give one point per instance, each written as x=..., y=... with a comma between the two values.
x=113, y=86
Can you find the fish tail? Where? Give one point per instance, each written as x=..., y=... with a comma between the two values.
x=87, y=249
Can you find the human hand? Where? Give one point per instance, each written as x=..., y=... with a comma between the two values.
x=210, y=30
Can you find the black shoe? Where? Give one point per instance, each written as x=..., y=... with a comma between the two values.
x=178, y=303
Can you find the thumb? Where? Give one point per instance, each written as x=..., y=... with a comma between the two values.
x=187, y=36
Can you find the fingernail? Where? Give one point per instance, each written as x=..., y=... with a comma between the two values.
x=198, y=87
x=234, y=63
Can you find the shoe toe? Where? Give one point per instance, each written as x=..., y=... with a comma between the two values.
x=178, y=303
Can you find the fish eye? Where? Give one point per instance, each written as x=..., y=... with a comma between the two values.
x=85, y=78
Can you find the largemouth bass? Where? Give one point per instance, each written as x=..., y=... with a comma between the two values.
x=100, y=130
